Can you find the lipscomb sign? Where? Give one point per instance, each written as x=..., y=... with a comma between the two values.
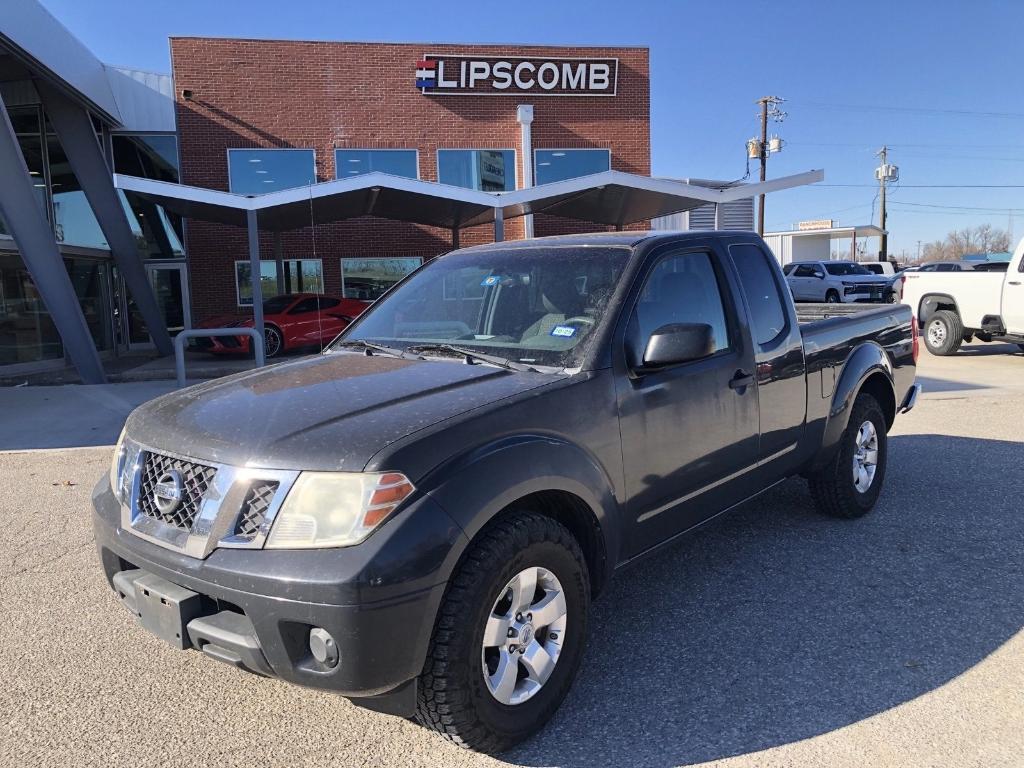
x=449, y=75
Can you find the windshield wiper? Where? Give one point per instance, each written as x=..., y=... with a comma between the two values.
x=472, y=354
x=370, y=347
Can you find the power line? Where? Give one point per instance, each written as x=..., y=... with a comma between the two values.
x=929, y=186
x=994, y=209
x=910, y=110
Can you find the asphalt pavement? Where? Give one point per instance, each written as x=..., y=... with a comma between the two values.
x=772, y=637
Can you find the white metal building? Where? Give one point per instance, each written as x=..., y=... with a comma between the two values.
x=735, y=214
x=846, y=243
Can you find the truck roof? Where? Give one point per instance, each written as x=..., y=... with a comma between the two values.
x=627, y=239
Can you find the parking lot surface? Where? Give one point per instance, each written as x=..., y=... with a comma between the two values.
x=771, y=637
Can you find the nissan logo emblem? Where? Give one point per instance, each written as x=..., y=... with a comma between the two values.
x=168, y=491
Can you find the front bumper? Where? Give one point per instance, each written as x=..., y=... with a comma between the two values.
x=221, y=345
x=256, y=609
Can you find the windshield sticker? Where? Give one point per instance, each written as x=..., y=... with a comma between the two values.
x=566, y=331
x=490, y=280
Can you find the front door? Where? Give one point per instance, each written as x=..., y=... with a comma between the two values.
x=169, y=283
x=689, y=433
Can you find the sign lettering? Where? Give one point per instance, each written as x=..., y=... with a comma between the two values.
x=448, y=75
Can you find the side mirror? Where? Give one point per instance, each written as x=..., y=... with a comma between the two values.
x=820, y=275
x=678, y=343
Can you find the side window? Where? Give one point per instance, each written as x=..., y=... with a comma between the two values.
x=805, y=271
x=767, y=317
x=326, y=302
x=683, y=289
x=306, y=305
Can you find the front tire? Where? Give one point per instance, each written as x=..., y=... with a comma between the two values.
x=509, y=637
x=849, y=485
x=273, y=342
x=832, y=297
x=944, y=333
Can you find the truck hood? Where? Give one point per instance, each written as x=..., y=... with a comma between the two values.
x=859, y=279
x=331, y=412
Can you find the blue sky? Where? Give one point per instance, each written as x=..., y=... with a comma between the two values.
x=939, y=82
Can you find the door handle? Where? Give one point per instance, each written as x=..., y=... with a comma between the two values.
x=741, y=380
x=1015, y=282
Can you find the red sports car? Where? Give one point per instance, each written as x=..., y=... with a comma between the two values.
x=291, y=321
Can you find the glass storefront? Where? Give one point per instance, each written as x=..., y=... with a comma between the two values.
x=27, y=333
x=73, y=220
x=91, y=281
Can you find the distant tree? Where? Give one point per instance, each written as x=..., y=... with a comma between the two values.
x=981, y=239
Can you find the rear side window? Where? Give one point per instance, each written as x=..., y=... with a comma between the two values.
x=767, y=317
x=804, y=271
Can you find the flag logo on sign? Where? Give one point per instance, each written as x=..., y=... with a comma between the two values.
x=426, y=74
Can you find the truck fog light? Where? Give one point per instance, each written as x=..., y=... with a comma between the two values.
x=323, y=647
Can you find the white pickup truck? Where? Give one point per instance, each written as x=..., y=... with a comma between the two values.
x=954, y=307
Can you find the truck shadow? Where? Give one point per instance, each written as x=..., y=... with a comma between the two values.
x=774, y=625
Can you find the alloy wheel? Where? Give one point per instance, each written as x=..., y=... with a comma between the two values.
x=865, y=457
x=524, y=635
x=271, y=342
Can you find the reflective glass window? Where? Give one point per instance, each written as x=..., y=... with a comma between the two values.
x=368, y=279
x=255, y=171
x=27, y=333
x=354, y=162
x=300, y=276
x=488, y=170
x=561, y=164
x=158, y=233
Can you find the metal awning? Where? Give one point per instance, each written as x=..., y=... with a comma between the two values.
x=610, y=198
x=833, y=233
x=370, y=194
x=616, y=198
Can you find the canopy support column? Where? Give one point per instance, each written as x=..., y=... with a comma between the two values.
x=499, y=225
x=78, y=138
x=252, y=224
x=718, y=216
x=283, y=281
x=455, y=238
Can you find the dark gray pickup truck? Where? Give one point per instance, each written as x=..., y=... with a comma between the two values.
x=419, y=517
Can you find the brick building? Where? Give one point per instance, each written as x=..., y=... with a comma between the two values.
x=255, y=116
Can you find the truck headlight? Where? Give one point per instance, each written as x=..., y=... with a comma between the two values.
x=336, y=509
x=117, y=466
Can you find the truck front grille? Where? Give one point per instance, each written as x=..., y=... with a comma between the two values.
x=254, y=508
x=195, y=481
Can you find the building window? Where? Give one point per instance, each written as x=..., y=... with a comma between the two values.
x=488, y=170
x=158, y=234
x=74, y=221
x=561, y=164
x=255, y=171
x=397, y=162
x=300, y=276
x=368, y=279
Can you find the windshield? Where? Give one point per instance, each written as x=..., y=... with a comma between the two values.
x=840, y=268
x=529, y=305
x=277, y=304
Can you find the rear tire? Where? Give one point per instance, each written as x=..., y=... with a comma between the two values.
x=832, y=297
x=943, y=333
x=459, y=694
x=849, y=485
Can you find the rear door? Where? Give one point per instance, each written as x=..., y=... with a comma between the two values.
x=689, y=432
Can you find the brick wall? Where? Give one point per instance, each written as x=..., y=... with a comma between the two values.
x=320, y=95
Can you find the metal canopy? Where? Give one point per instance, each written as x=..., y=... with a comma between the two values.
x=370, y=194
x=610, y=198
x=834, y=233
x=617, y=198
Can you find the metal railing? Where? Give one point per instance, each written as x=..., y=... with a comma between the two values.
x=183, y=336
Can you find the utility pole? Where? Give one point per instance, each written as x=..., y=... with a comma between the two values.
x=919, y=250
x=884, y=173
x=760, y=148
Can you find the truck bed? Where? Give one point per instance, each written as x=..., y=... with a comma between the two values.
x=809, y=312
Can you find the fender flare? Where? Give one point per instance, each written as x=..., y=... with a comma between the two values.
x=867, y=360
x=475, y=486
